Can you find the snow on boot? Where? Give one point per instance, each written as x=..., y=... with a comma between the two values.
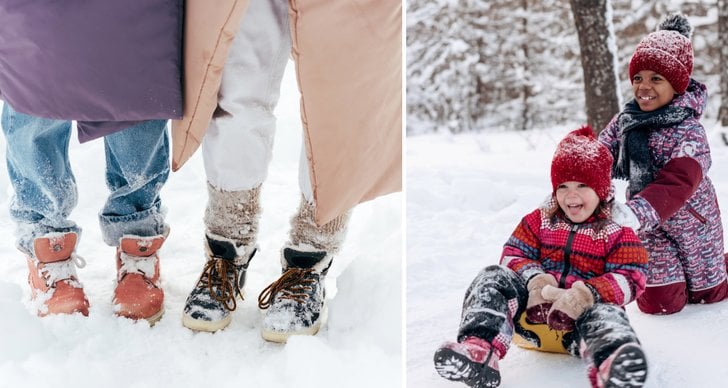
x=54, y=286
x=138, y=293
x=294, y=303
x=473, y=362
x=210, y=303
x=626, y=367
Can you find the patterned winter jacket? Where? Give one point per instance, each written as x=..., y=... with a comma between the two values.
x=611, y=260
x=679, y=193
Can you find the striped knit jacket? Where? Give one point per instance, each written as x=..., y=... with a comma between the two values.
x=610, y=260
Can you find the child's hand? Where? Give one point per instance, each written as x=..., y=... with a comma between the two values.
x=567, y=305
x=537, y=308
x=624, y=216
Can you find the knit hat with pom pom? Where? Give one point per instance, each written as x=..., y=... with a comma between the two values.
x=667, y=51
x=580, y=157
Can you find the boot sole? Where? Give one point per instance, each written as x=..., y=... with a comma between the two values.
x=155, y=318
x=282, y=336
x=629, y=369
x=151, y=320
x=456, y=367
x=207, y=326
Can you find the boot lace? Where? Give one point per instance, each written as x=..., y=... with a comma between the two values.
x=293, y=285
x=61, y=270
x=145, y=266
x=215, y=277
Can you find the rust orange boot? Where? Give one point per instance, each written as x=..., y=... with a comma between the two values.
x=52, y=275
x=138, y=294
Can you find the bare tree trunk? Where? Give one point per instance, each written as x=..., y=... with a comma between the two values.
x=723, y=44
x=526, y=92
x=597, y=60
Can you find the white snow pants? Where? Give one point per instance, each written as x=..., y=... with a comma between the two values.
x=238, y=146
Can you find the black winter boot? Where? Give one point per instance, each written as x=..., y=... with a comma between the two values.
x=213, y=298
x=295, y=303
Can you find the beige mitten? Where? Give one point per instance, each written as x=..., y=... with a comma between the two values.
x=568, y=305
x=537, y=307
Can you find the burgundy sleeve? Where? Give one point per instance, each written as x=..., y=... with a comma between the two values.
x=673, y=185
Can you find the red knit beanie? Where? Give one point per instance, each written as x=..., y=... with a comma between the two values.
x=668, y=52
x=580, y=157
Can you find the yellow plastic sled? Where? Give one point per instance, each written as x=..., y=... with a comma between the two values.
x=549, y=340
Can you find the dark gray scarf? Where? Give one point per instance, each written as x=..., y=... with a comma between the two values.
x=635, y=159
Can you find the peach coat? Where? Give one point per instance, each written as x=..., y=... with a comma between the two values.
x=348, y=57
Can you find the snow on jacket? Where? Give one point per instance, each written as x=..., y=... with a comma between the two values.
x=349, y=66
x=609, y=259
x=679, y=191
x=106, y=64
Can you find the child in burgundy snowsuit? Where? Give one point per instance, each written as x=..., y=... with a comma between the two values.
x=661, y=148
x=568, y=265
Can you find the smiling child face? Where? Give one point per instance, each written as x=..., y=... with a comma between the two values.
x=577, y=200
x=651, y=90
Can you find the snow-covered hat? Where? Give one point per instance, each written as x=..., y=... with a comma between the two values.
x=580, y=157
x=667, y=51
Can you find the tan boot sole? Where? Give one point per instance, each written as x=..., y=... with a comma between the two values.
x=151, y=320
x=282, y=337
x=155, y=318
x=208, y=326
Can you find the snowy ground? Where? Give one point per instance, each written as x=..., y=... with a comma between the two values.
x=361, y=347
x=465, y=195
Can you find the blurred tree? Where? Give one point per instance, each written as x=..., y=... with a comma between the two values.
x=593, y=21
x=500, y=64
x=723, y=44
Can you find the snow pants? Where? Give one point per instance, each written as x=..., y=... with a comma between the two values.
x=686, y=256
x=497, y=297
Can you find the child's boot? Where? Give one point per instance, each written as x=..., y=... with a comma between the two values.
x=213, y=298
x=626, y=367
x=138, y=293
x=295, y=303
x=474, y=361
x=52, y=276
x=231, y=221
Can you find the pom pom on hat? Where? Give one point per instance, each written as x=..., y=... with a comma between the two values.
x=668, y=52
x=580, y=157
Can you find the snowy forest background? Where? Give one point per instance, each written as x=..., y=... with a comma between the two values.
x=492, y=86
x=475, y=65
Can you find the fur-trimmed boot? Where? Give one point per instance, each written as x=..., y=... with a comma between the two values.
x=213, y=298
x=138, y=293
x=231, y=218
x=295, y=303
x=54, y=285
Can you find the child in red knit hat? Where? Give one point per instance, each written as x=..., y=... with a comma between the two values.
x=567, y=267
x=661, y=148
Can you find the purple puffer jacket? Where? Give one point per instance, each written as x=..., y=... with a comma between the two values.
x=679, y=205
x=104, y=63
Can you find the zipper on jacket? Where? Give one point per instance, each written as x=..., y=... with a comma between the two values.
x=697, y=215
x=567, y=254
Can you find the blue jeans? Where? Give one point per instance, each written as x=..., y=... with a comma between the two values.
x=137, y=166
